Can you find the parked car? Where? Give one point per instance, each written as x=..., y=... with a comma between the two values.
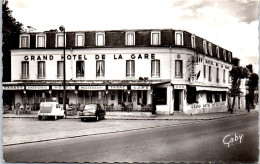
x=50, y=110
x=92, y=111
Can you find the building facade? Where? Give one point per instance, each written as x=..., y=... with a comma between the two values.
x=172, y=69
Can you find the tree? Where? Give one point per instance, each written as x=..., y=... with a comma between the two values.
x=252, y=84
x=10, y=30
x=237, y=73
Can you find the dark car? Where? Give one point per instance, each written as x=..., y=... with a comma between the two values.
x=92, y=111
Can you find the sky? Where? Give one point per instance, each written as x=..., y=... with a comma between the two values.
x=231, y=24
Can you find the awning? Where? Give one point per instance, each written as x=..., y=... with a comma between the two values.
x=211, y=89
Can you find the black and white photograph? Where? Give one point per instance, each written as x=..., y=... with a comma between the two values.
x=144, y=81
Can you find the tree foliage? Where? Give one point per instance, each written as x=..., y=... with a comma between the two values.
x=10, y=30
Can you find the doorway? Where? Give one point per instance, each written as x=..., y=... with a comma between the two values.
x=177, y=100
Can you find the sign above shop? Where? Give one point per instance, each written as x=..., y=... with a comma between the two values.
x=61, y=87
x=179, y=86
x=37, y=87
x=92, y=88
x=117, y=87
x=13, y=87
x=140, y=87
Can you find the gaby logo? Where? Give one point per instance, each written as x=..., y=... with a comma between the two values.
x=230, y=140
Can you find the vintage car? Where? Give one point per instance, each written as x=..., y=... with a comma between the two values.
x=92, y=111
x=50, y=110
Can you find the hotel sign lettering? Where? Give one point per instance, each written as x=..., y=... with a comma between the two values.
x=179, y=86
x=92, y=88
x=13, y=87
x=117, y=87
x=140, y=87
x=61, y=87
x=37, y=87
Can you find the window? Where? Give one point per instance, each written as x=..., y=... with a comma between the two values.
x=224, y=54
x=41, y=41
x=217, y=95
x=210, y=49
x=25, y=69
x=59, y=69
x=100, y=39
x=229, y=57
x=217, y=51
x=130, y=68
x=155, y=68
x=224, y=76
x=178, y=38
x=160, y=96
x=178, y=68
x=217, y=77
x=130, y=38
x=205, y=46
x=209, y=73
x=24, y=41
x=141, y=97
x=100, y=68
x=224, y=96
x=191, y=95
x=80, y=68
x=41, y=69
x=209, y=97
x=205, y=71
x=60, y=40
x=155, y=38
x=80, y=40
x=193, y=43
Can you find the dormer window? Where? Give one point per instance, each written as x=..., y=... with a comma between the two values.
x=79, y=40
x=25, y=41
x=40, y=40
x=217, y=51
x=205, y=46
x=60, y=40
x=210, y=49
x=193, y=43
x=100, y=39
x=229, y=57
x=155, y=38
x=179, y=38
x=130, y=38
x=225, y=55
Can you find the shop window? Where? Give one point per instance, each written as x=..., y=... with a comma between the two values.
x=191, y=95
x=121, y=97
x=80, y=40
x=141, y=97
x=179, y=38
x=80, y=68
x=130, y=38
x=59, y=69
x=81, y=93
x=100, y=68
x=205, y=46
x=209, y=97
x=25, y=69
x=87, y=94
x=217, y=95
x=24, y=41
x=41, y=41
x=130, y=68
x=193, y=43
x=41, y=69
x=155, y=71
x=60, y=40
x=224, y=96
x=160, y=96
x=155, y=38
x=178, y=68
x=100, y=39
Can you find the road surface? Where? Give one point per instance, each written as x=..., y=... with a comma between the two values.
x=191, y=142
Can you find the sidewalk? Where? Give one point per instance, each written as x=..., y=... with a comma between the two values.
x=148, y=116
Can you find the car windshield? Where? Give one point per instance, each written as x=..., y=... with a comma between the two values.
x=91, y=108
x=46, y=108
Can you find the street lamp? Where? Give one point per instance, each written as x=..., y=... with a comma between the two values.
x=62, y=29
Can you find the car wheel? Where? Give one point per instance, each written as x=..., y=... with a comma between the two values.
x=39, y=117
x=55, y=117
x=64, y=116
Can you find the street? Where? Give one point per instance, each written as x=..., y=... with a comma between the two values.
x=216, y=140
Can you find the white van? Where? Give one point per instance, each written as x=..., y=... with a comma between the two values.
x=50, y=109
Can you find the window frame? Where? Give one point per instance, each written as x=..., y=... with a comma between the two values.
x=181, y=33
x=157, y=64
x=43, y=70
x=104, y=37
x=193, y=42
x=181, y=68
x=126, y=38
x=24, y=35
x=45, y=38
x=159, y=38
x=56, y=39
x=27, y=71
x=100, y=74
x=76, y=39
x=132, y=70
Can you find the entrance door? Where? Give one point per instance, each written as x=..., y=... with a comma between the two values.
x=177, y=100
